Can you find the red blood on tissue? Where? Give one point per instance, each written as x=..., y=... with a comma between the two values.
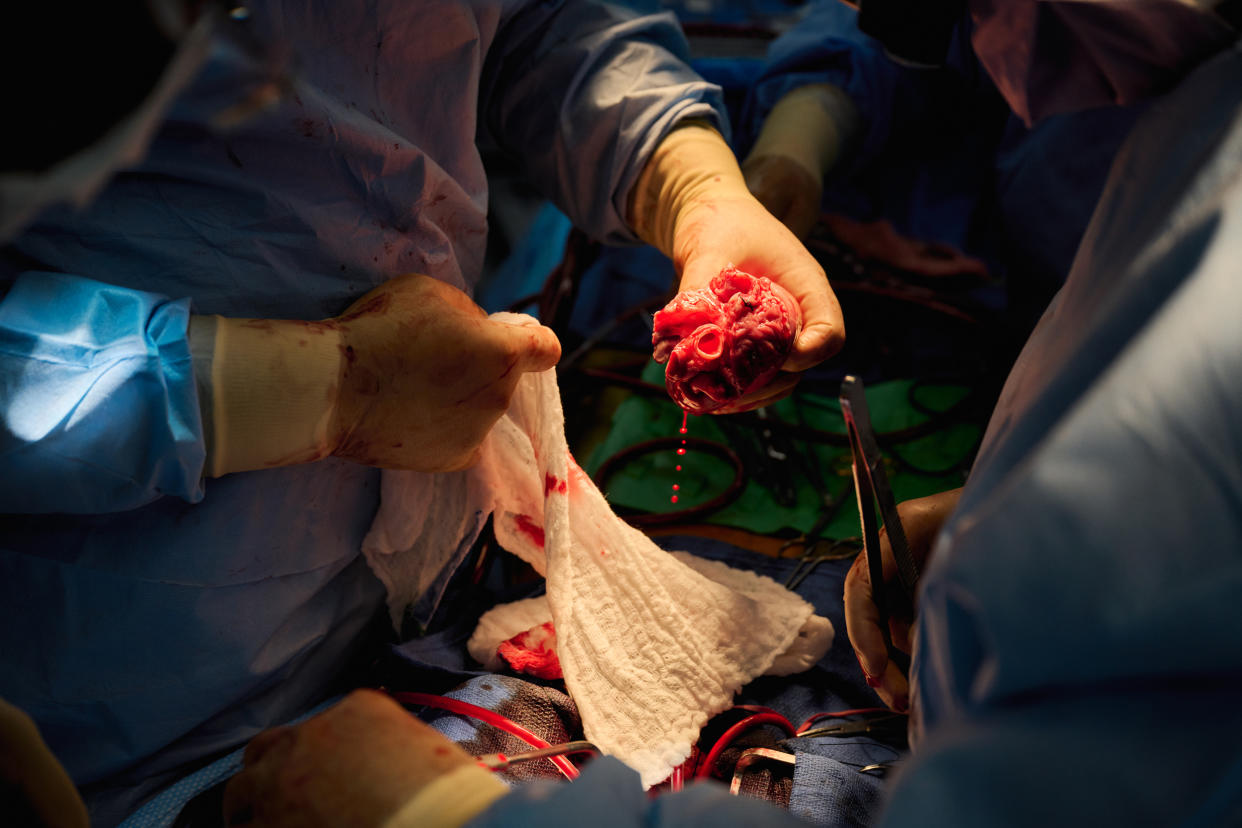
x=533, y=652
x=724, y=340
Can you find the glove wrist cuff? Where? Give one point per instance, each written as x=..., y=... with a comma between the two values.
x=273, y=391
x=811, y=126
x=691, y=166
x=450, y=800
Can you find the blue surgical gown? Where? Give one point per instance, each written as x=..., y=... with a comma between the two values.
x=1078, y=654
x=151, y=619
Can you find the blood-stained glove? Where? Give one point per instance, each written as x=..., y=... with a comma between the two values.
x=921, y=519
x=691, y=202
x=412, y=376
x=366, y=763
x=800, y=141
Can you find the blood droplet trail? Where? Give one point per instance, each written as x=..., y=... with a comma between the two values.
x=681, y=451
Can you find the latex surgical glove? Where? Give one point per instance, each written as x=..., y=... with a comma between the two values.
x=801, y=140
x=921, y=519
x=412, y=376
x=692, y=204
x=34, y=787
x=365, y=763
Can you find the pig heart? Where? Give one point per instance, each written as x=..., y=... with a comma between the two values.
x=724, y=340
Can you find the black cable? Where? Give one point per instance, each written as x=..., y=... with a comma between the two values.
x=635, y=518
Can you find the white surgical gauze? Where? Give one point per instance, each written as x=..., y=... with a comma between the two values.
x=652, y=644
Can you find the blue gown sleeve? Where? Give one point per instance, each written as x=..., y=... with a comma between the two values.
x=608, y=795
x=1078, y=649
x=98, y=406
x=582, y=93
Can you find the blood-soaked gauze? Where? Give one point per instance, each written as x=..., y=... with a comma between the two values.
x=533, y=651
x=724, y=340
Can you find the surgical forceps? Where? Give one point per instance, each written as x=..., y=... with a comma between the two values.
x=892, y=725
x=871, y=486
x=500, y=761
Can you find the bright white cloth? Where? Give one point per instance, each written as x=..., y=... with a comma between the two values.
x=507, y=620
x=652, y=644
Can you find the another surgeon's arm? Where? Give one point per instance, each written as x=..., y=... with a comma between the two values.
x=801, y=140
x=692, y=203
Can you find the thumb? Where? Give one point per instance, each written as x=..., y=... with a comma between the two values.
x=536, y=345
x=698, y=270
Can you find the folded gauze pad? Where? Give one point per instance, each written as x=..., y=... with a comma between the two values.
x=651, y=644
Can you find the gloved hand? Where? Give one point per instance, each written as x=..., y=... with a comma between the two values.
x=800, y=141
x=412, y=376
x=692, y=204
x=34, y=788
x=921, y=519
x=365, y=762
x=787, y=189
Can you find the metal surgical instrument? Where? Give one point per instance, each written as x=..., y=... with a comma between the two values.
x=889, y=724
x=752, y=756
x=872, y=487
x=500, y=761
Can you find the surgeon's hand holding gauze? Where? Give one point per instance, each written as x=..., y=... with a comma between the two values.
x=801, y=141
x=692, y=203
x=413, y=375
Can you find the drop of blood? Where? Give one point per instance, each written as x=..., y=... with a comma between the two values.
x=680, y=451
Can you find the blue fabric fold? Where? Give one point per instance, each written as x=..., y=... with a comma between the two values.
x=97, y=397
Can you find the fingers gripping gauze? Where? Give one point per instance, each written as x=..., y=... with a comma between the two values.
x=651, y=644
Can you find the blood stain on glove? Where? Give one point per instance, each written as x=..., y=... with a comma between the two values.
x=724, y=340
x=533, y=652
